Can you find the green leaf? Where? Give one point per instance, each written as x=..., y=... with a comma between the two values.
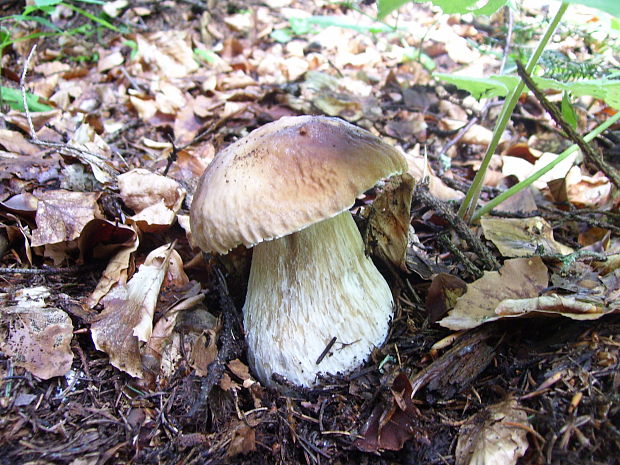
x=13, y=98
x=38, y=19
x=92, y=17
x=207, y=55
x=490, y=87
x=301, y=26
x=283, y=35
x=607, y=90
x=568, y=112
x=609, y=6
x=44, y=3
x=385, y=7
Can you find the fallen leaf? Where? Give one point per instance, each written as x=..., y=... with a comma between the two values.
x=155, y=199
x=519, y=278
x=127, y=317
x=443, y=292
x=419, y=168
x=581, y=191
x=387, y=232
x=15, y=142
x=61, y=215
x=204, y=351
x=35, y=336
x=242, y=441
x=140, y=189
x=475, y=135
x=116, y=272
x=169, y=52
x=389, y=429
x=522, y=237
x=496, y=435
x=239, y=369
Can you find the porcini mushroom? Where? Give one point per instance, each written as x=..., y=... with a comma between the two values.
x=285, y=189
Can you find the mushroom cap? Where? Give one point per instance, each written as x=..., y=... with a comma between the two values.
x=284, y=177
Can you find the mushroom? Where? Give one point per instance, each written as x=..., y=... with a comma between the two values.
x=285, y=189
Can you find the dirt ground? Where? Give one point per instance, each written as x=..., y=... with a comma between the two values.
x=560, y=375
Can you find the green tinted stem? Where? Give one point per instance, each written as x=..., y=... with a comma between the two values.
x=471, y=199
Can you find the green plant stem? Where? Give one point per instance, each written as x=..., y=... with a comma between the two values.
x=530, y=179
x=471, y=199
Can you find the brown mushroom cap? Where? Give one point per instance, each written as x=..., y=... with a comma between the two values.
x=285, y=176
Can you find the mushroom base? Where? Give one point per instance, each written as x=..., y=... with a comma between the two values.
x=307, y=288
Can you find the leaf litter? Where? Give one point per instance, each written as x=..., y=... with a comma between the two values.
x=188, y=89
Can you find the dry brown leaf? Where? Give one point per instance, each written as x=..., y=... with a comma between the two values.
x=35, y=336
x=39, y=119
x=170, y=52
x=497, y=435
x=15, y=142
x=109, y=60
x=243, y=440
x=116, y=272
x=582, y=191
x=114, y=8
x=519, y=278
x=163, y=353
x=127, y=317
x=153, y=219
x=389, y=428
x=140, y=189
x=475, y=135
x=522, y=237
x=387, y=231
x=239, y=369
x=204, y=351
x=99, y=152
x=420, y=168
x=442, y=294
x=61, y=215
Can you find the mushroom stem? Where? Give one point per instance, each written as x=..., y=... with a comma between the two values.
x=307, y=288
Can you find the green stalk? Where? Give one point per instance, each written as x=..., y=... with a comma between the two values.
x=471, y=199
x=528, y=182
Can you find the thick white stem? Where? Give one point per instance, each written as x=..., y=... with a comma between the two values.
x=307, y=288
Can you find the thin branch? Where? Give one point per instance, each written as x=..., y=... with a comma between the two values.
x=22, y=87
x=86, y=156
x=229, y=349
x=553, y=110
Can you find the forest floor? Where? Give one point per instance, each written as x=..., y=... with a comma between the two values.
x=95, y=244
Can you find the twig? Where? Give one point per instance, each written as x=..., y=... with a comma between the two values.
x=22, y=87
x=328, y=347
x=48, y=270
x=423, y=196
x=588, y=151
x=81, y=154
x=229, y=349
x=173, y=155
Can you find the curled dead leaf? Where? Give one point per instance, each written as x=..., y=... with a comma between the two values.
x=496, y=435
x=127, y=317
x=387, y=232
x=389, y=428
